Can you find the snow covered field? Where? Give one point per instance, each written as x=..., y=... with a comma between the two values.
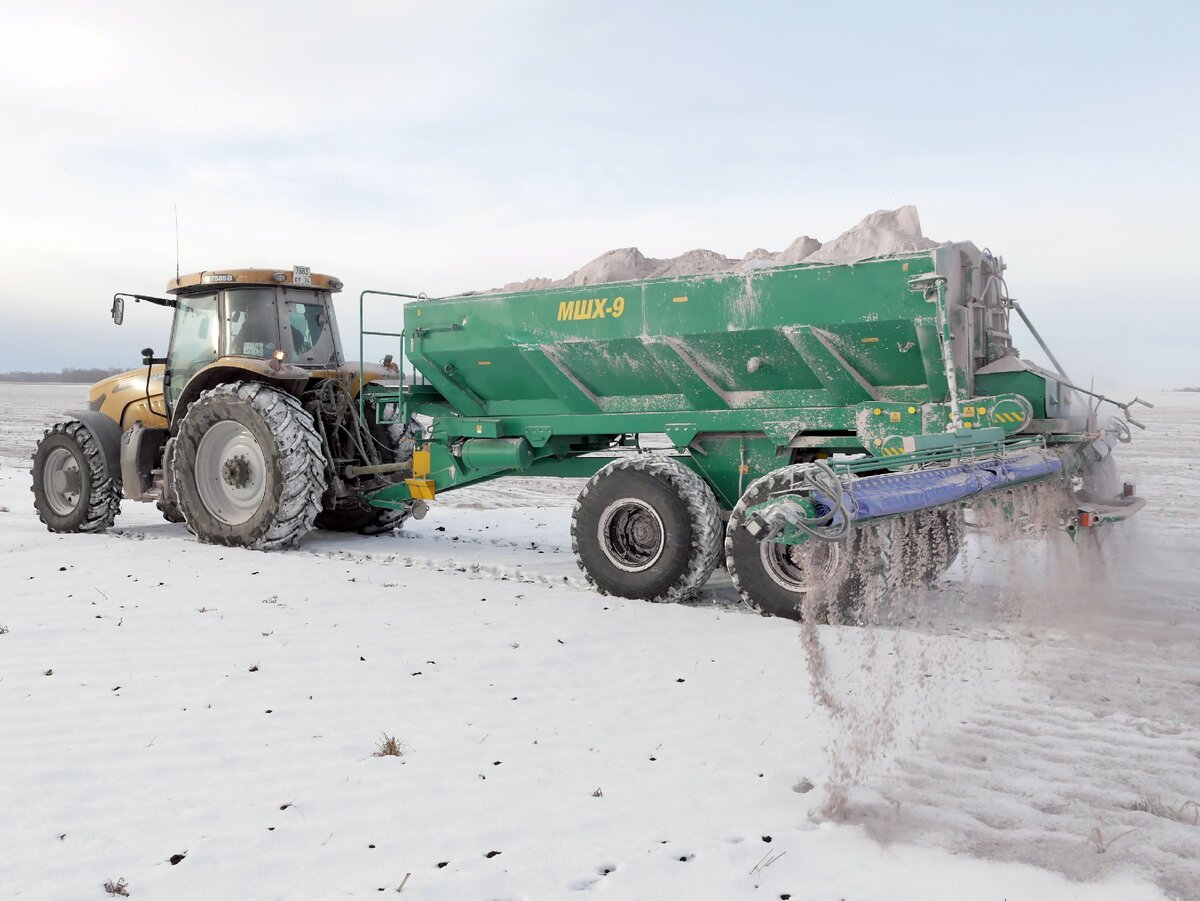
x=164, y=698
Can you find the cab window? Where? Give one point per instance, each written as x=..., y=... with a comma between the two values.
x=308, y=327
x=194, y=340
x=251, y=328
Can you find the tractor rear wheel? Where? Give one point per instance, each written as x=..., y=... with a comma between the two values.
x=72, y=490
x=365, y=520
x=647, y=527
x=248, y=467
x=395, y=443
x=775, y=579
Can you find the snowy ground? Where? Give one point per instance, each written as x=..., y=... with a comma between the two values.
x=167, y=698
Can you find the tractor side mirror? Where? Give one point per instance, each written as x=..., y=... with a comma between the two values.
x=118, y=310
x=147, y=356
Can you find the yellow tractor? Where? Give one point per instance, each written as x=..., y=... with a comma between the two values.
x=245, y=430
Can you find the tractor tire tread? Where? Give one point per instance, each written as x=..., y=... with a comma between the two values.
x=298, y=451
x=104, y=501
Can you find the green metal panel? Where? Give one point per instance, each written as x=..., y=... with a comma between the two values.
x=1029, y=385
x=742, y=372
x=793, y=337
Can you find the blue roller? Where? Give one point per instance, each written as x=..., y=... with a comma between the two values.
x=906, y=492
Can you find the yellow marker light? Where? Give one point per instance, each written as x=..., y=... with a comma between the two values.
x=966, y=425
x=982, y=411
x=879, y=442
x=279, y=355
x=877, y=411
x=912, y=410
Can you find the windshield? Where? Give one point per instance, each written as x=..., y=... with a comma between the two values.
x=251, y=328
x=193, y=340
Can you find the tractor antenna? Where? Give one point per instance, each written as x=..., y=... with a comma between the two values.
x=176, y=242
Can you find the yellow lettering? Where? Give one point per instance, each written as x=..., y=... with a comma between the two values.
x=590, y=308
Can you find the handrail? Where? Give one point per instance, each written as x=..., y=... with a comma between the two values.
x=362, y=333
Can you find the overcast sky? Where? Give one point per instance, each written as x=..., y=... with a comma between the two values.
x=441, y=147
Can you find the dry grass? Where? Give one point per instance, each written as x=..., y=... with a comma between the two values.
x=1100, y=843
x=120, y=887
x=1184, y=812
x=388, y=747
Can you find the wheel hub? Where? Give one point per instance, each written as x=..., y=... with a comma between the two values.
x=799, y=567
x=230, y=472
x=63, y=481
x=631, y=535
x=236, y=472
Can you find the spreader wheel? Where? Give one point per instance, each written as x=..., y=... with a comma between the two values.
x=647, y=527
x=248, y=467
x=72, y=490
x=774, y=578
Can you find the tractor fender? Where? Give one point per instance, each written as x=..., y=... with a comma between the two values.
x=108, y=436
x=224, y=370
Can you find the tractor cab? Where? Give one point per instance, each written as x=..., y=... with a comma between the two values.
x=250, y=317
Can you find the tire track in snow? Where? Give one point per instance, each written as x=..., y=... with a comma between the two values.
x=1051, y=777
x=449, y=563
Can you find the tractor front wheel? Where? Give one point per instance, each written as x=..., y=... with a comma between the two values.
x=248, y=467
x=72, y=490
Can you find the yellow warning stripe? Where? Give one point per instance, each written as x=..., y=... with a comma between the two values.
x=1009, y=417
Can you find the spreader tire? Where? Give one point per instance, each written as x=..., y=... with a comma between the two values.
x=775, y=579
x=647, y=527
x=248, y=467
x=72, y=490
